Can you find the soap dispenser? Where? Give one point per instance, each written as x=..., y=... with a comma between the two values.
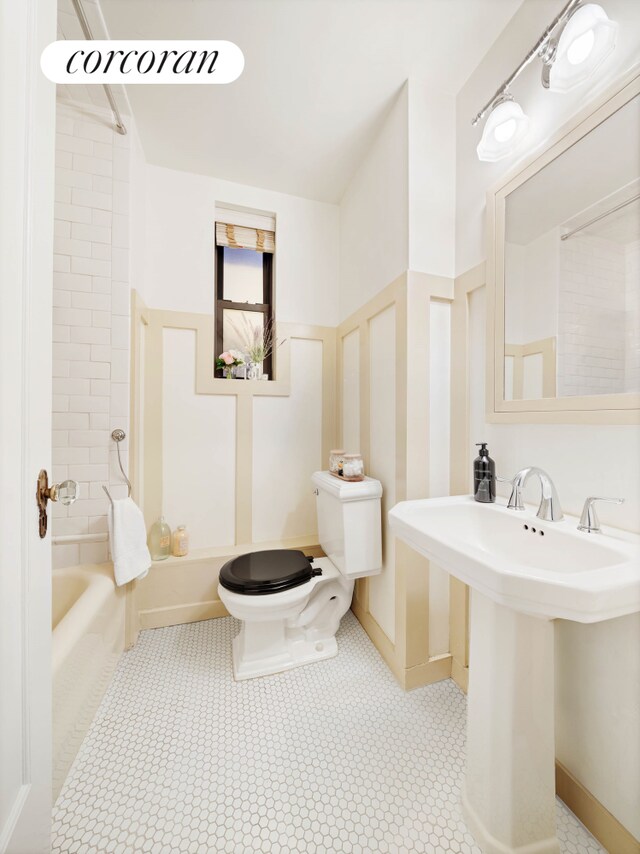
x=484, y=476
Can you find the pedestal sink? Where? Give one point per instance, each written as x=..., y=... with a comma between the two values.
x=523, y=574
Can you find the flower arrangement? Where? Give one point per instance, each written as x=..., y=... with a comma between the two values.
x=229, y=360
x=258, y=341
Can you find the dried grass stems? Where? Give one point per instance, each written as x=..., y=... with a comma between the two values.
x=258, y=342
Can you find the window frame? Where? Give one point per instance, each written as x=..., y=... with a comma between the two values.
x=266, y=307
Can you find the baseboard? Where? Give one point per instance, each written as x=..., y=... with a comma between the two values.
x=158, y=618
x=434, y=670
x=596, y=818
x=378, y=639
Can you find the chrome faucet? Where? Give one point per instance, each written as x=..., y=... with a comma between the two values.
x=549, y=509
x=589, y=521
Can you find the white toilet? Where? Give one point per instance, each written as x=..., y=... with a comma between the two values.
x=291, y=605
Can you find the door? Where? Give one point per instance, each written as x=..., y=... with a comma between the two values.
x=27, y=128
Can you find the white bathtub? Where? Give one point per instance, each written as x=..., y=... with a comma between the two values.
x=88, y=638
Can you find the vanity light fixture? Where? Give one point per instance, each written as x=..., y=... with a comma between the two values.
x=504, y=130
x=585, y=38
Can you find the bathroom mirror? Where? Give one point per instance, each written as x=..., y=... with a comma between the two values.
x=566, y=270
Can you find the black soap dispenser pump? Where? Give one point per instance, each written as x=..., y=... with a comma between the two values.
x=484, y=476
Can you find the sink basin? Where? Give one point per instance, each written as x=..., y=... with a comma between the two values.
x=523, y=573
x=545, y=568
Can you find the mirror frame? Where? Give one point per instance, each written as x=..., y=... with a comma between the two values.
x=594, y=409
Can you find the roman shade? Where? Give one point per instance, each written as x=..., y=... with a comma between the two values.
x=243, y=237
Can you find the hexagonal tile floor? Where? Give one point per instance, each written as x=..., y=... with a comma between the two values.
x=331, y=757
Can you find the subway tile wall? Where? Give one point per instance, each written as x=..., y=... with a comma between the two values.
x=90, y=323
x=632, y=301
x=596, y=338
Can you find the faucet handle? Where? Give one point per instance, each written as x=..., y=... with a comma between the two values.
x=589, y=521
x=515, y=499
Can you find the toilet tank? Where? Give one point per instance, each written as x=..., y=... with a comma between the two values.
x=349, y=524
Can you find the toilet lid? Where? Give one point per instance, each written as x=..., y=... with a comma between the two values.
x=263, y=572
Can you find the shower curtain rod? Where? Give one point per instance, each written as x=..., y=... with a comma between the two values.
x=86, y=29
x=599, y=217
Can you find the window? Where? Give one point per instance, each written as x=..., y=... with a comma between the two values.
x=244, y=287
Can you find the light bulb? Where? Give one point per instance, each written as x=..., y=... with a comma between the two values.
x=585, y=41
x=505, y=128
x=580, y=49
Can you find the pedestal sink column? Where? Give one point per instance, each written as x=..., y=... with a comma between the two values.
x=509, y=794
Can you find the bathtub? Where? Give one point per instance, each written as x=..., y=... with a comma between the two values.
x=88, y=621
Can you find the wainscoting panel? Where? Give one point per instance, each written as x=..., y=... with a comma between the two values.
x=351, y=392
x=287, y=448
x=382, y=458
x=211, y=445
x=439, y=451
x=400, y=346
x=198, y=450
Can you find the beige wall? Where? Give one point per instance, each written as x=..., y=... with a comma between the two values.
x=382, y=461
x=400, y=340
x=198, y=448
x=202, y=441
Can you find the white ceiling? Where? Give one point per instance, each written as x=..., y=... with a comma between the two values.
x=319, y=77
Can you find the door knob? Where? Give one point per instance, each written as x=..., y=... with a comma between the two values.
x=66, y=493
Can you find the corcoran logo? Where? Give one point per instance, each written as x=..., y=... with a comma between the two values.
x=142, y=62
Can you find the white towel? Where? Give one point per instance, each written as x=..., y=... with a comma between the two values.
x=128, y=537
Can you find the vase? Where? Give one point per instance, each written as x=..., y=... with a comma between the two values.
x=228, y=372
x=255, y=370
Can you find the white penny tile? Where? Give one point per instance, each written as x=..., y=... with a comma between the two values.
x=332, y=757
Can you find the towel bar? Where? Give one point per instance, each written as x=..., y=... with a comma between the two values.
x=78, y=539
x=118, y=435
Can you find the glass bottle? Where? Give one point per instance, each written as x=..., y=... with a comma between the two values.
x=160, y=540
x=335, y=460
x=353, y=467
x=180, y=542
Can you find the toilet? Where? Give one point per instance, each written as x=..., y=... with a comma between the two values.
x=291, y=605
